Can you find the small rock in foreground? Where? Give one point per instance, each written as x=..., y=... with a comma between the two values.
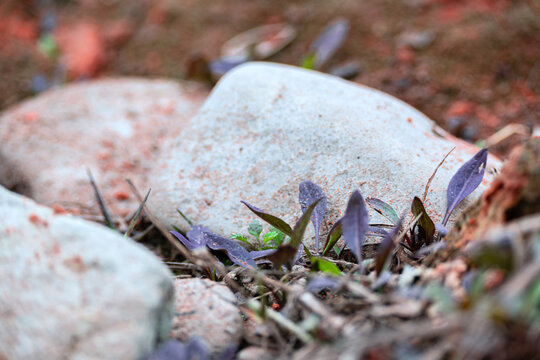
x=207, y=310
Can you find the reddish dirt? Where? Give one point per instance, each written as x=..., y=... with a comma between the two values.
x=480, y=72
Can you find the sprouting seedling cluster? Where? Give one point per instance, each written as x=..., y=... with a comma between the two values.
x=283, y=245
x=272, y=239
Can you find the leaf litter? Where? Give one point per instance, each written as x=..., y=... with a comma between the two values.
x=379, y=298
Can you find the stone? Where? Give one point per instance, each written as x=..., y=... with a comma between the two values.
x=255, y=353
x=207, y=310
x=73, y=289
x=267, y=127
x=114, y=127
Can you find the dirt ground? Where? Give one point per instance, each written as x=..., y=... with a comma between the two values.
x=472, y=66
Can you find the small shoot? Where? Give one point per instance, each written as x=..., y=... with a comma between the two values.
x=324, y=266
x=384, y=209
x=333, y=236
x=288, y=252
x=425, y=226
x=465, y=181
x=308, y=193
x=355, y=224
x=271, y=219
x=255, y=229
x=328, y=42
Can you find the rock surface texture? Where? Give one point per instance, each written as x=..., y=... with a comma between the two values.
x=113, y=127
x=72, y=289
x=266, y=127
x=207, y=310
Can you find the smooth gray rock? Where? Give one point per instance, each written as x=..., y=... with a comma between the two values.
x=114, y=127
x=267, y=127
x=71, y=289
x=207, y=310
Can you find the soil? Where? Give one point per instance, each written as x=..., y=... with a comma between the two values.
x=475, y=69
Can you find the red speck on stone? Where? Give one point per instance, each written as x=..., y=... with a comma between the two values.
x=409, y=120
x=82, y=48
x=30, y=117
x=58, y=210
x=103, y=155
x=36, y=220
x=56, y=249
x=121, y=195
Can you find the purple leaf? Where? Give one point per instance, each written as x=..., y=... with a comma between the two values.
x=229, y=353
x=283, y=255
x=386, y=246
x=425, y=222
x=384, y=209
x=220, y=66
x=196, y=234
x=436, y=246
x=331, y=39
x=308, y=193
x=261, y=253
x=235, y=252
x=333, y=236
x=355, y=224
x=298, y=254
x=170, y=350
x=196, y=349
x=271, y=219
x=190, y=245
x=302, y=223
x=466, y=179
x=322, y=282
x=443, y=231
x=376, y=231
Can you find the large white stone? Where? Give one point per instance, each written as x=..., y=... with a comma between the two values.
x=114, y=127
x=71, y=289
x=267, y=127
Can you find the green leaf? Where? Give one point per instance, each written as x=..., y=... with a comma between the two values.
x=384, y=209
x=333, y=236
x=255, y=229
x=185, y=217
x=48, y=47
x=308, y=61
x=240, y=237
x=425, y=222
x=301, y=225
x=271, y=219
x=325, y=266
x=275, y=236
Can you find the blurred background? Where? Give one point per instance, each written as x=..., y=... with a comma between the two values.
x=473, y=66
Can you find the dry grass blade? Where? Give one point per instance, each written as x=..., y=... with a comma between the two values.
x=433, y=175
x=160, y=226
x=101, y=202
x=137, y=215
